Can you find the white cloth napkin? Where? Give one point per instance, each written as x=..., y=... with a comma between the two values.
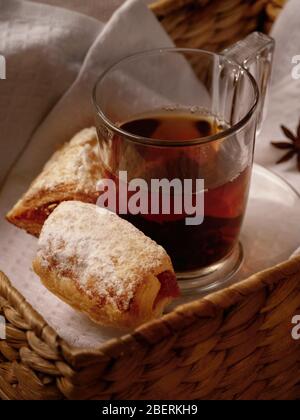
x=63, y=53
x=98, y=9
x=284, y=104
x=54, y=56
x=44, y=52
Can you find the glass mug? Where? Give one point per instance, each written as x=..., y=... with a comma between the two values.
x=183, y=114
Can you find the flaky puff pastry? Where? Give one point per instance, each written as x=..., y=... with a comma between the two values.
x=103, y=266
x=72, y=173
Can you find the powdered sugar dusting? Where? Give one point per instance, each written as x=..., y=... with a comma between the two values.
x=77, y=163
x=106, y=256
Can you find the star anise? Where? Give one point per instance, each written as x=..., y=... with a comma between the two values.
x=292, y=145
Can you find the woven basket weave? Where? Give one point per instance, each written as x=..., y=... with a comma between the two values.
x=234, y=344
x=215, y=24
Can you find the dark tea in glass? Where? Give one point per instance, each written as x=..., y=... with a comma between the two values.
x=190, y=247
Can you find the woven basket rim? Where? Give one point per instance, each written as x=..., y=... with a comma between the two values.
x=155, y=330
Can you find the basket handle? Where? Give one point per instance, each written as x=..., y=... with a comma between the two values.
x=255, y=53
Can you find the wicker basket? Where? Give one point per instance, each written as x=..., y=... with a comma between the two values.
x=215, y=24
x=234, y=344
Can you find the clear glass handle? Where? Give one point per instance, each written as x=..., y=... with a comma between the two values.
x=255, y=53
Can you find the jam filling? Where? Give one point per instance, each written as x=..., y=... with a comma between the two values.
x=169, y=287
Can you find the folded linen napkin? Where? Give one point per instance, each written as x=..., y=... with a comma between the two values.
x=284, y=104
